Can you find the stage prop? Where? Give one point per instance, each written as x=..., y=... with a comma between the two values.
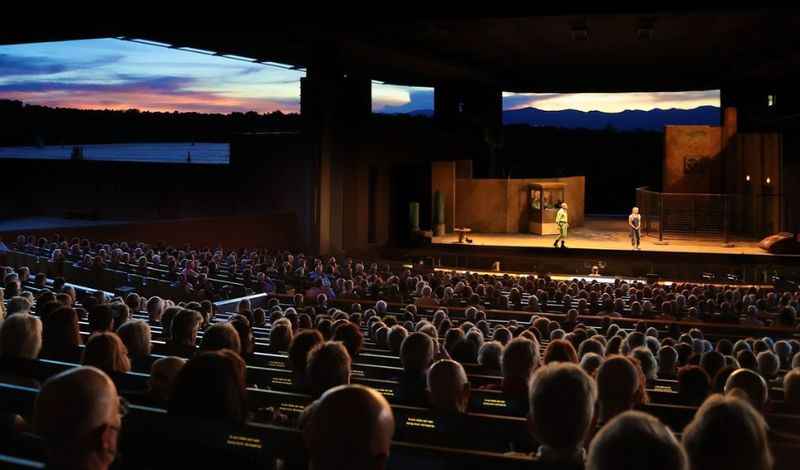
x=496, y=205
x=781, y=243
x=545, y=200
x=438, y=214
x=504, y=206
x=462, y=234
x=717, y=183
x=413, y=216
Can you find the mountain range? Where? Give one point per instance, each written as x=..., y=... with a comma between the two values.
x=629, y=120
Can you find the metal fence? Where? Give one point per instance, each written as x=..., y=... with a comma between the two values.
x=711, y=216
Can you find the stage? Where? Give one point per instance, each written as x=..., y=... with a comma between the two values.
x=607, y=233
x=605, y=242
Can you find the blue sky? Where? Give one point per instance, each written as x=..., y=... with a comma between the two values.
x=116, y=74
x=402, y=99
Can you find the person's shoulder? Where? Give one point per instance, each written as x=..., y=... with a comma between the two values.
x=307, y=413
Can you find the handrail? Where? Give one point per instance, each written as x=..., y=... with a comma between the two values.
x=648, y=190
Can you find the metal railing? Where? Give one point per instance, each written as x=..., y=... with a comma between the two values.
x=709, y=216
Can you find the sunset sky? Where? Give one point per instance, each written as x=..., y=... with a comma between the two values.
x=116, y=74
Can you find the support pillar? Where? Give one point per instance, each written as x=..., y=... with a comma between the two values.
x=330, y=103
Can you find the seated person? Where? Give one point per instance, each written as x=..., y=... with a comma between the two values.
x=349, y=427
x=101, y=318
x=136, y=336
x=520, y=358
x=694, y=385
x=301, y=345
x=620, y=387
x=221, y=336
x=727, y=433
x=328, y=366
x=635, y=440
x=750, y=386
x=280, y=337
x=107, y=352
x=83, y=434
x=448, y=387
x=183, y=334
x=211, y=386
x=61, y=337
x=562, y=400
x=20, y=343
x=416, y=355
x=162, y=378
x=791, y=391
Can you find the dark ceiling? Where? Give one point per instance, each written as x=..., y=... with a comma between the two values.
x=562, y=53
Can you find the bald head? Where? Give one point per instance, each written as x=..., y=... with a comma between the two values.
x=448, y=387
x=77, y=414
x=350, y=426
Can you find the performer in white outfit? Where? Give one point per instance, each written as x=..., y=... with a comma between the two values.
x=635, y=222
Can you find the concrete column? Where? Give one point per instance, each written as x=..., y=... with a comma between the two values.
x=331, y=102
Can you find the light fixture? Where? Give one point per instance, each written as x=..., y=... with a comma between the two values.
x=212, y=53
x=768, y=180
x=276, y=64
x=645, y=29
x=579, y=30
x=580, y=34
x=747, y=178
x=199, y=51
x=239, y=57
x=148, y=42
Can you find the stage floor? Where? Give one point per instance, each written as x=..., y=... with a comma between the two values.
x=606, y=234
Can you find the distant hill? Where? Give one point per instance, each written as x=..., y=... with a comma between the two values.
x=653, y=120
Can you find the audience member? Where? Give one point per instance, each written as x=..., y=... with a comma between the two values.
x=562, y=401
x=79, y=417
x=635, y=440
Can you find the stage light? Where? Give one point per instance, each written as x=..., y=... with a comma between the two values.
x=645, y=29
x=579, y=30
x=148, y=42
x=275, y=64
x=768, y=180
x=239, y=57
x=708, y=276
x=747, y=178
x=198, y=51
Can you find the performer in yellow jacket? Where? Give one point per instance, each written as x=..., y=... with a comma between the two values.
x=562, y=221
